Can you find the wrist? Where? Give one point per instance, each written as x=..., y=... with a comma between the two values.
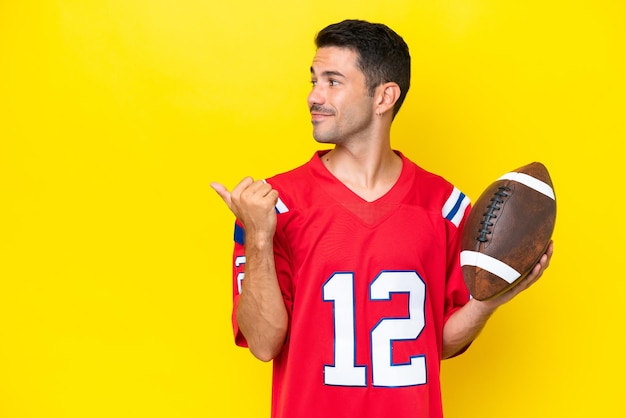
x=259, y=242
x=484, y=307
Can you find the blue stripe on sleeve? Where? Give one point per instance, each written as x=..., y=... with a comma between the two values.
x=240, y=235
x=456, y=207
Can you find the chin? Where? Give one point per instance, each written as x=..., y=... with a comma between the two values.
x=324, y=138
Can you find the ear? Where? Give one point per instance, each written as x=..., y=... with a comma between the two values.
x=387, y=96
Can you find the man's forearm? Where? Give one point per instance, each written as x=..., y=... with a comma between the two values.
x=261, y=313
x=464, y=326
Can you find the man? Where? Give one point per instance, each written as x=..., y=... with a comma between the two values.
x=352, y=279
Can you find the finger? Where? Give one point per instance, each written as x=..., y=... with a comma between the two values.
x=260, y=190
x=257, y=188
x=273, y=195
x=243, y=186
x=269, y=193
x=540, y=267
x=550, y=250
x=535, y=274
x=544, y=262
x=244, y=183
x=223, y=192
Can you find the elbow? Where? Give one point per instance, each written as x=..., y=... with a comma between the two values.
x=267, y=345
x=265, y=334
x=447, y=353
x=450, y=353
x=268, y=350
x=264, y=354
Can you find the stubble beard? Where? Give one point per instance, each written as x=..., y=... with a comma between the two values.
x=330, y=137
x=338, y=135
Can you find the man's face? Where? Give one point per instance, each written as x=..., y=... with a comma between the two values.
x=341, y=109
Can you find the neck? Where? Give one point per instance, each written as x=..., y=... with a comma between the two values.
x=369, y=171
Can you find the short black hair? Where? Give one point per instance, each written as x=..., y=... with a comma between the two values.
x=382, y=54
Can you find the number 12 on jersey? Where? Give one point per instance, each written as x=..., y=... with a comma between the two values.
x=339, y=289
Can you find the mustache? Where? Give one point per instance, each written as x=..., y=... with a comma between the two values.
x=321, y=109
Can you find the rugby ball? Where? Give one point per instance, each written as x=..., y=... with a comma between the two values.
x=508, y=230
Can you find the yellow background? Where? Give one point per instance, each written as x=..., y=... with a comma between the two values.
x=115, y=290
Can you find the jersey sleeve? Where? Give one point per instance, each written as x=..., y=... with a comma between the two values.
x=239, y=262
x=457, y=293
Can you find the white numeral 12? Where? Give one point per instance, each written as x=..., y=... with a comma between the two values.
x=339, y=289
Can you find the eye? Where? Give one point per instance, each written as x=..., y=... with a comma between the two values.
x=313, y=83
x=332, y=82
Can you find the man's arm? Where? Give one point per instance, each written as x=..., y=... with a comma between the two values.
x=466, y=323
x=261, y=313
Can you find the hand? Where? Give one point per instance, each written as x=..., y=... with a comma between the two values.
x=253, y=203
x=532, y=277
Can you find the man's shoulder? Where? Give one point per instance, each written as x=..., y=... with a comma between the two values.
x=426, y=180
x=292, y=177
x=433, y=191
x=297, y=186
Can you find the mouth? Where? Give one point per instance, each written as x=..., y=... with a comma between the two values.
x=318, y=117
x=318, y=113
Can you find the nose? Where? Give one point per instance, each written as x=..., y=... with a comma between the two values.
x=316, y=96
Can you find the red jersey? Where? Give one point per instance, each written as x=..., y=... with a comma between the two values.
x=368, y=287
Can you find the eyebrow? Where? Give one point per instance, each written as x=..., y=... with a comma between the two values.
x=329, y=73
